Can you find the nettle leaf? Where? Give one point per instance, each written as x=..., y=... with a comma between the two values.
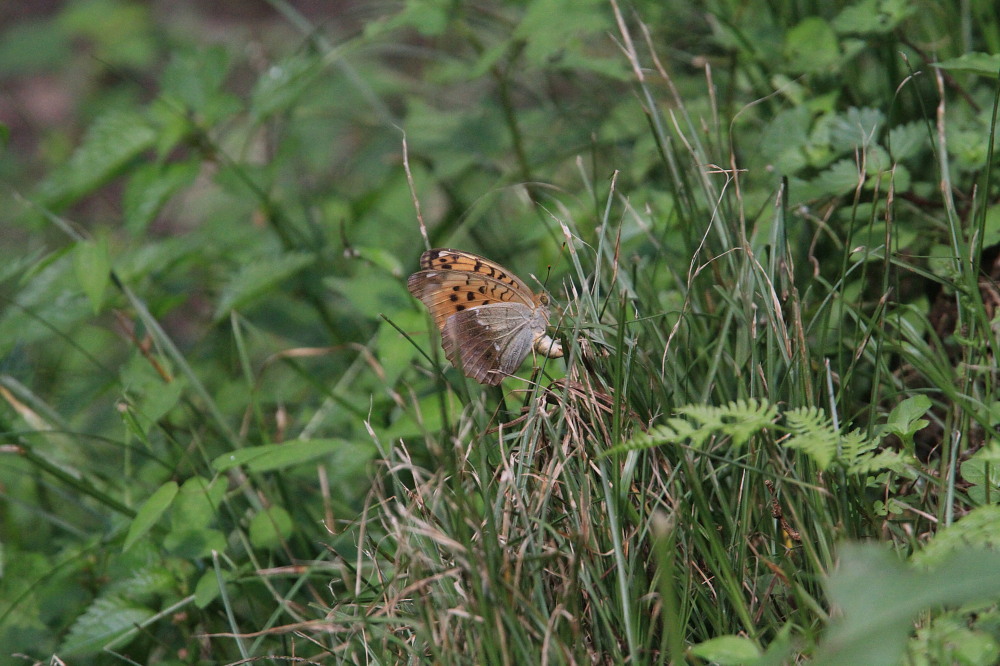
x=150, y=187
x=259, y=277
x=857, y=128
x=113, y=141
x=907, y=140
x=194, y=79
x=108, y=622
x=842, y=177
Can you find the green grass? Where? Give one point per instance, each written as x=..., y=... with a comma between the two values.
x=229, y=433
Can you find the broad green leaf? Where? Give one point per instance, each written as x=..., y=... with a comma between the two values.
x=876, y=17
x=270, y=457
x=108, y=622
x=258, y=278
x=907, y=140
x=207, y=588
x=197, y=502
x=150, y=513
x=811, y=46
x=726, y=650
x=194, y=543
x=876, y=598
x=268, y=529
x=115, y=139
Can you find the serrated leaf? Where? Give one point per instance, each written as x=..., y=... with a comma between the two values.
x=110, y=144
x=842, y=177
x=855, y=128
x=108, y=622
x=907, y=140
x=150, y=187
x=258, y=277
x=194, y=78
x=92, y=265
x=150, y=513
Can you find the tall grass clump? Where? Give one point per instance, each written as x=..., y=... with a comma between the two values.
x=750, y=386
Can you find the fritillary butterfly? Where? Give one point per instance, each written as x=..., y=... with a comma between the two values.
x=489, y=319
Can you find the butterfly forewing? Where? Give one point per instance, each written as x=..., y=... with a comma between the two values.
x=456, y=260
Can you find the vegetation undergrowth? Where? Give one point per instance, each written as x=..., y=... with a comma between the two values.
x=230, y=434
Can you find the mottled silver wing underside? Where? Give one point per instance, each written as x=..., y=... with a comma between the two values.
x=490, y=342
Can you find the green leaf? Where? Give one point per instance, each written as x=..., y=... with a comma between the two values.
x=983, y=64
x=109, y=622
x=856, y=128
x=811, y=46
x=270, y=457
x=259, y=277
x=150, y=187
x=197, y=502
x=92, y=266
x=194, y=543
x=282, y=84
x=268, y=529
x=152, y=396
x=150, y=513
x=726, y=650
x=905, y=419
x=878, y=597
x=907, y=140
x=113, y=141
x=207, y=588
x=873, y=17
x=194, y=79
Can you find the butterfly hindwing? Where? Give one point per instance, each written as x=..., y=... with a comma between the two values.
x=489, y=343
x=489, y=319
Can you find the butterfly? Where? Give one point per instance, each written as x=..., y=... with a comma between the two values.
x=489, y=319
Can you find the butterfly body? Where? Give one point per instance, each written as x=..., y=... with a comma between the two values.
x=489, y=319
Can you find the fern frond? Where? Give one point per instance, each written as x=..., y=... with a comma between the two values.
x=740, y=420
x=813, y=434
